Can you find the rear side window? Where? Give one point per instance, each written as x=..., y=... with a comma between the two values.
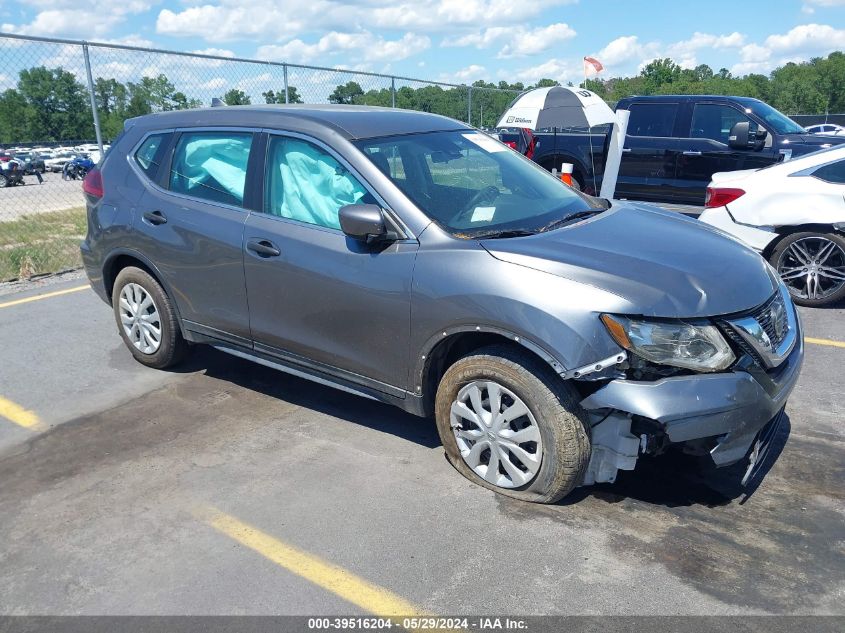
x=652, y=119
x=148, y=156
x=211, y=166
x=714, y=121
x=834, y=172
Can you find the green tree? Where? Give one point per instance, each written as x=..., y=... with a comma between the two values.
x=660, y=72
x=279, y=97
x=236, y=97
x=347, y=93
x=13, y=113
x=58, y=105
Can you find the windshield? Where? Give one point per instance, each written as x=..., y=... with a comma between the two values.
x=779, y=122
x=474, y=186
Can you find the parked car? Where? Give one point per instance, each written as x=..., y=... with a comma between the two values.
x=58, y=161
x=825, y=128
x=32, y=162
x=410, y=259
x=675, y=143
x=794, y=214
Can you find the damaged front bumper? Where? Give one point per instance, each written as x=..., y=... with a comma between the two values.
x=729, y=407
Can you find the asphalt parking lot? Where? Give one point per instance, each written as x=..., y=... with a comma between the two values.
x=229, y=488
x=55, y=194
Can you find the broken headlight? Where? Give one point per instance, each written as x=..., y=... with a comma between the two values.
x=699, y=347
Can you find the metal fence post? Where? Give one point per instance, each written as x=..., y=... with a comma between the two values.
x=285, y=72
x=93, y=98
x=469, y=105
x=393, y=92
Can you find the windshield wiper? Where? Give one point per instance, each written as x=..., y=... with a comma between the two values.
x=572, y=217
x=495, y=235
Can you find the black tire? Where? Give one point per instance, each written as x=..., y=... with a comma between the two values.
x=554, y=405
x=172, y=347
x=780, y=257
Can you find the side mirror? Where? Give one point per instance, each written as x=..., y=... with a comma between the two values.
x=740, y=135
x=364, y=222
x=747, y=135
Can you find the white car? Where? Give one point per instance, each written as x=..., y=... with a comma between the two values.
x=826, y=128
x=794, y=214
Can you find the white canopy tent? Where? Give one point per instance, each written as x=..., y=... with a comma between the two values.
x=565, y=106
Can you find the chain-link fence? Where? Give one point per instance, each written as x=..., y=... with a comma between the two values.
x=60, y=99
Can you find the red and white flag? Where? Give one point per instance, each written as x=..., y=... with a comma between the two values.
x=592, y=66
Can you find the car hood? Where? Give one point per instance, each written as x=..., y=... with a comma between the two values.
x=664, y=264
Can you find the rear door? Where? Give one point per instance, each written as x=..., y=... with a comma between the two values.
x=705, y=150
x=647, y=171
x=190, y=224
x=316, y=296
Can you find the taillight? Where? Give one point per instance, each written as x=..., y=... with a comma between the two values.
x=93, y=183
x=511, y=144
x=716, y=197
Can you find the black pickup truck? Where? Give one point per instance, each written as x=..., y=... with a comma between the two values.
x=675, y=143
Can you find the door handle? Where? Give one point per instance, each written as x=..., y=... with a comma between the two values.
x=263, y=248
x=626, y=149
x=692, y=152
x=155, y=218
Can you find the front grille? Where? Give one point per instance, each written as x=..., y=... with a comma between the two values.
x=741, y=343
x=763, y=316
x=763, y=333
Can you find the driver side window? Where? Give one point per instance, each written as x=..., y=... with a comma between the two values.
x=306, y=183
x=714, y=121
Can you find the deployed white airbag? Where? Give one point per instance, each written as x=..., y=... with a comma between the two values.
x=313, y=186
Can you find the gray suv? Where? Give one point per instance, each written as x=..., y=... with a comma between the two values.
x=410, y=259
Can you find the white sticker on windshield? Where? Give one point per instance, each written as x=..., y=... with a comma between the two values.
x=482, y=214
x=485, y=142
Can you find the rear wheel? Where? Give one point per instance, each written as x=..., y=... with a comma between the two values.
x=4, y=182
x=812, y=265
x=146, y=319
x=509, y=424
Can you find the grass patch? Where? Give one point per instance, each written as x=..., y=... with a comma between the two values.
x=41, y=243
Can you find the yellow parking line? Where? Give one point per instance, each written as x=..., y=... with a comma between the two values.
x=46, y=295
x=17, y=414
x=337, y=580
x=824, y=341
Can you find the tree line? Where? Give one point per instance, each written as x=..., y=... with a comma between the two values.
x=50, y=104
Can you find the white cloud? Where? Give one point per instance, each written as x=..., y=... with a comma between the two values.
x=810, y=6
x=361, y=46
x=471, y=73
x=219, y=52
x=68, y=22
x=797, y=44
x=532, y=41
x=479, y=39
x=518, y=41
x=562, y=70
x=66, y=19
x=226, y=20
x=445, y=15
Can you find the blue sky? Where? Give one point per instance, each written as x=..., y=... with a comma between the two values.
x=459, y=40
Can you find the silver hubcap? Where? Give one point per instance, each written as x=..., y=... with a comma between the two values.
x=139, y=317
x=496, y=433
x=813, y=268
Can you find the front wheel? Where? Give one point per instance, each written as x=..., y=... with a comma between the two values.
x=812, y=265
x=509, y=424
x=4, y=182
x=146, y=319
